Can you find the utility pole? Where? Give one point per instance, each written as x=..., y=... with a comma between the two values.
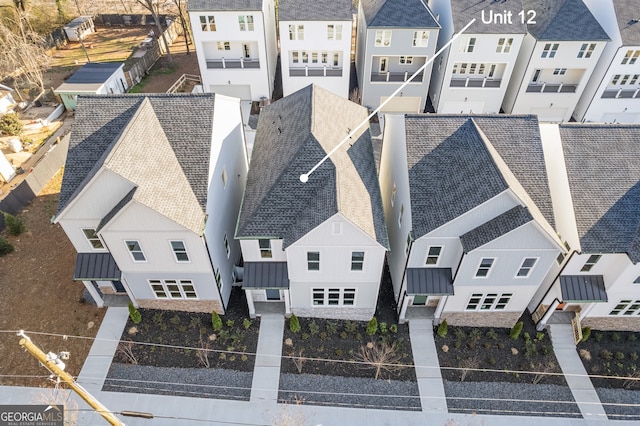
x=54, y=364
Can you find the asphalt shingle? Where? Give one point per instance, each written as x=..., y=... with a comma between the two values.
x=628, y=15
x=496, y=227
x=224, y=5
x=398, y=13
x=463, y=11
x=564, y=20
x=315, y=10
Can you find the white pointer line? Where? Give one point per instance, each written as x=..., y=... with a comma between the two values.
x=305, y=176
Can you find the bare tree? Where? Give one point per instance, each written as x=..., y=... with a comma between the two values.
x=126, y=348
x=153, y=6
x=203, y=353
x=181, y=6
x=381, y=357
x=466, y=366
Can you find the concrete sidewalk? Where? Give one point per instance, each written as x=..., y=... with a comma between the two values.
x=266, y=372
x=425, y=358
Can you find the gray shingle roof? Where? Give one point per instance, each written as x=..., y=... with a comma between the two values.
x=139, y=135
x=398, y=13
x=628, y=15
x=293, y=134
x=114, y=211
x=315, y=10
x=464, y=11
x=194, y=5
x=564, y=20
x=452, y=169
x=496, y=227
x=603, y=166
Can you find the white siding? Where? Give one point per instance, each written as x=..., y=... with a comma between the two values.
x=251, y=251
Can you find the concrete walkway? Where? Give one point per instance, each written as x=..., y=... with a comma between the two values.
x=266, y=373
x=425, y=358
x=581, y=387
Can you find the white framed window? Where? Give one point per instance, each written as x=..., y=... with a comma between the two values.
x=468, y=45
x=223, y=176
x=227, y=249
x=637, y=280
x=324, y=56
x=624, y=80
x=527, y=266
x=295, y=57
x=296, y=32
x=420, y=38
x=179, y=251
x=550, y=50
x=586, y=50
x=631, y=57
x=407, y=245
x=627, y=308
x=400, y=216
x=135, y=250
x=93, y=238
x=433, y=255
x=245, y=22
x=265, y=248
x=485, y=267
x=383, y=38
x=207, y=23
x=305, y=57
x=313, y=261
x=593, y=259
x=406, y=60
x=314, y=57
x=317, y=296
x=334, y=32
x=173, y=289
x=333, y=296
x=559, y=71
x=504, y=45
x=218, y=278
x=488, y=302
x=336, y=59
x=393, y=194
x=472, y=68
x=357, y=260
x=224, y=45
x=615, y=79
x=634, y=79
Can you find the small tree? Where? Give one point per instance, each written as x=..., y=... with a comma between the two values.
x=5, y=247
x=294, y=324
x=15, y=225
x=443, y=328
x=372, y=326
x=134, y=314
x=516, y=330
x=381, y=357
x=216, y=321
x=10, y=124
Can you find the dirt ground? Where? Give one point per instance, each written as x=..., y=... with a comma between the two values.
x=39, y=296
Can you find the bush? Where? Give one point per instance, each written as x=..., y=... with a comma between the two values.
x=15, y=225
x=615, y=336
x=586, y=333
x=294, y=324
x=383, y=328
x=216, y=321
x=393, y=328
x=443, y=328
x=246, y=323
x=516, y=330
x=5, y=247
x=10, y=124
x=372, y=326
x=134, y=314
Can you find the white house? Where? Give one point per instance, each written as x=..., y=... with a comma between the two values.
x=315, y=44
x=395, y=39
x=316, y=247
x=93, y=78
x=612, y=94
x=141, y=197
x=557, y=57
x=472, y=75
x=596, y=195
x=80, y=27
x=236, y=46
x=469, y=216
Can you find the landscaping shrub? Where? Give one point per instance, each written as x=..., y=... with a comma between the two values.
x=443, y=328
x=516, y=330
x=393, y=328
x=10, y=124
x=586, y=333
x=294, y=324
x=372, y=326
x=216, y=321
x=246, y=323
x=5, y=247
x=134, y=314
x=15, y=225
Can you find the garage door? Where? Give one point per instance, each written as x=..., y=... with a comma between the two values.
x=401, y=104
x=463, y=108
x=549, y=114
x=242, y=91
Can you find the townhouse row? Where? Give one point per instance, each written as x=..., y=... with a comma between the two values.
x=558, y=59
x=480, y=218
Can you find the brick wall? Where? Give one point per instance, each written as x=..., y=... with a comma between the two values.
x=335, y=313
x=482, y=319
x=612, y=323
x=182, y=305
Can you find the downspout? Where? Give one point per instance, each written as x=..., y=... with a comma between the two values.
x=552, y=308
x=567, y=260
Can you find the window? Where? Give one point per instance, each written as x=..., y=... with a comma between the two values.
x=408, y=245
x=615, y=79
x=630, y=57
x=393, y=194
x=559, y=71
x=634, y=79
x=420, y=38
x=484, y=268
x=296, y=32
x=223, y=176
x=593, y=259
x=433, y=255
x=627, y=307
x=265, y=249
x=318, y=296
x=637, y=280
x=224, y=45
x=586, y=50
x=406, y=60
x=550, y=50
x=135, y=250
x=560, y=258
x=246, y=23
x=383, y=38
x=488, y=302
x=216, y=276
x=334, y=32
x=227, y=249
x=92, y=237
x=469, y=45
x=349, y=296
x=305, y=57
x=504, y=45
x=336, y=59
x=472, y=68
x=625, y=78
x=173, y=289
x=313, y=261
x=400, y=216
x=357, y=260
x=207, y=23
x=179, y=251
x=526, y=267
x=314, y=57
x=324, y=57
x=294, y=56
x=333, y=296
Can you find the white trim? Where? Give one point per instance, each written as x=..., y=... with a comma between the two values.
x=180, y=283
x=326, y=291
x=104, y=247
x=493, y=263
x=175, y=253
x=529, y=269
x=126, y=245
x=426, y=258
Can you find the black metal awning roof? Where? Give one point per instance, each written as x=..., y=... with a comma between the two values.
x=583, y=288
x=265, y=275
x=96, y=266
x=435, y=281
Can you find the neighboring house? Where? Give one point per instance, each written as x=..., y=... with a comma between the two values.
x=613, y=93
x=317, y=246
x=469, y=216
x=150, y=196
x=6, y=99
x=472, y=75
x=79, y=28
x=236, y=46
x=395, y=39
x=93, y=78
x=596, y=197
x=556, y=59
x=315, y=44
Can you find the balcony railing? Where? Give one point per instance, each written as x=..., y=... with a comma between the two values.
x=315, y=72
x=552, y=88
x=475, y=82
x=621, y=94
x=394, y=77
x=232, y=63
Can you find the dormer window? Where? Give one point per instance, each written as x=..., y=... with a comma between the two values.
x=92, y=237
x=550, y=50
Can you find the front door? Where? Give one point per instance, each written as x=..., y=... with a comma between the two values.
x=419, y=300
x=273, y=294
x=118, y=287
x=383, y=64
x=246, y=51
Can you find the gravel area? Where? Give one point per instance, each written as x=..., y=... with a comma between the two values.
x=349, y=391
x=501, y=398
x=620, y=396
x=198, y=382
